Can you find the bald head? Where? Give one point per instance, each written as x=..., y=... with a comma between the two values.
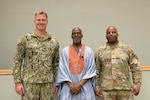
x=76, y=28
x=111, y=27
x=112, y=34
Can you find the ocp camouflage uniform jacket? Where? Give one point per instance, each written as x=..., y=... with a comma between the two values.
x=36, y=59
x=114, y=64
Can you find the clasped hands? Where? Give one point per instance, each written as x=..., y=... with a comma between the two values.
x=75, y=88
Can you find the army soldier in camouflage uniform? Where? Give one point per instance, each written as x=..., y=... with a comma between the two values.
x=35, y=62
x=114, y=62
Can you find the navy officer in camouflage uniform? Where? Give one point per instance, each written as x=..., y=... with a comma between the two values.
x=114, y=61
x=35, y=62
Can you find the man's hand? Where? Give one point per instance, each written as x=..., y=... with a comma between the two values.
x=136, y=91
x=55, y=89
x=19, y=88
x=75, y=89
x=98, y=92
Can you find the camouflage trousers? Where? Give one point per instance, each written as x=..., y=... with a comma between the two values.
x=38, y=91
x=117, y=95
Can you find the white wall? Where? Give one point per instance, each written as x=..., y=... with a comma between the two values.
x=7, y=88
x=131, y=17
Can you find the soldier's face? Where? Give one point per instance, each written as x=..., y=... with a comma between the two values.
x=112, y=35
x=40, y=21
